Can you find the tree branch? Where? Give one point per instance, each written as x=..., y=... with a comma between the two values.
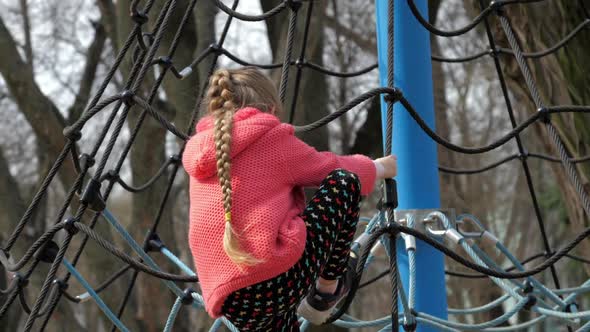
x=108, y=13
x=368, y=44
x=24, y=6
x=41, y=113
x=92, y=61
x=12, y=205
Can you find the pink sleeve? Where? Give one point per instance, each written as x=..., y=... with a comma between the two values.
x=308, y=167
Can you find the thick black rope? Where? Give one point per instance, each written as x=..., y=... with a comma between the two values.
x=46, y=307
x=65, y=243
x=410, y=231
x=202, y=56
x=38, y=196
x=494, y=5
x=40, y=242
x=130, y=97
x=11, y=287
x=114, y=176
x=481, y=169
x=231, y=12
x=21, y=280
x=554, y=48
x=374, y=279
x=461, y=59
x=409, y=108
x=578, y=258
x=551, y=260
x=498, y=142
x=558, y=160
x=141, y=74
x=521, y=148
x=479, y=275
x=512, y=268
x=395, y=229
x=135, y=264
x=288, y=54
x=396, y=95
x=102, y=286
x=304, y=63
x=9, y=300
x=557, y=142
x=160, y=26
x=147, y=108
x=132, y=76
x=393, y=268
x=493, y=165
x=533, y=55
x=391, y=99
x=152, y=94
x=110, y=74
x=394, y=279
x=329, y=72
x=300, y=60
x=47, y=283
x=360, y=268
x=189, y=130
x=494, y=273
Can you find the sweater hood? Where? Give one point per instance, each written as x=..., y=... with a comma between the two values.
x=249, y=125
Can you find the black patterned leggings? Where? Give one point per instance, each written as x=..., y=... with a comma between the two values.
x=331, y=218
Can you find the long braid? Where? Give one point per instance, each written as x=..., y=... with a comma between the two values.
x=222, y=105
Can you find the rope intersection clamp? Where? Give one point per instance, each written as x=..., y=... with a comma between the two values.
x=438, y=224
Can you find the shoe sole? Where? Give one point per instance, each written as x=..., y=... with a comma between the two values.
x=318, y=317
x=313, y=315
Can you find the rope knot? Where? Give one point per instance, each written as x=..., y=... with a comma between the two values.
x=72, y=135
x=139, y=17
x=47, y=252
x=294, y=4
x=61, y=284
x=215, y=48
x=164, y=61
x=127, y=97
x=545, y=115
x=187, y=296
x=21, y=280
x=69, y=225
x=155, y=243
x=531, y=301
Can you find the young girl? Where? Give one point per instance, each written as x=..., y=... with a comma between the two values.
x=257, y=248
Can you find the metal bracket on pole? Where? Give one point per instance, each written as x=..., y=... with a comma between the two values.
x=425, y=223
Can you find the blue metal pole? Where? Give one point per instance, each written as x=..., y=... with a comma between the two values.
x=417, y=180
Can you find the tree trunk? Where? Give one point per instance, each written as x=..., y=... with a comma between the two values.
x=12, y=207
x=312, y=98
x=562, y=80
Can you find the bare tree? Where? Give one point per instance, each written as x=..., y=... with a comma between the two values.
x=37, y=117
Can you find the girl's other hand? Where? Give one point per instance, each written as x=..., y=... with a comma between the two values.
x=386, y=167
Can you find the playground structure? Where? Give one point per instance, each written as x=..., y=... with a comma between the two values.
x=414, y=235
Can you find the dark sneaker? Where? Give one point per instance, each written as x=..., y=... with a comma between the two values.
x=316, y=307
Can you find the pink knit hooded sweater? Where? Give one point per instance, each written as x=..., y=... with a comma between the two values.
x=270, y=167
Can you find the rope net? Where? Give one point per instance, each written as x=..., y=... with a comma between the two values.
x=90, y=192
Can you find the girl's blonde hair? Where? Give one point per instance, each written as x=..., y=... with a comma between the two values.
x=230, y=90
